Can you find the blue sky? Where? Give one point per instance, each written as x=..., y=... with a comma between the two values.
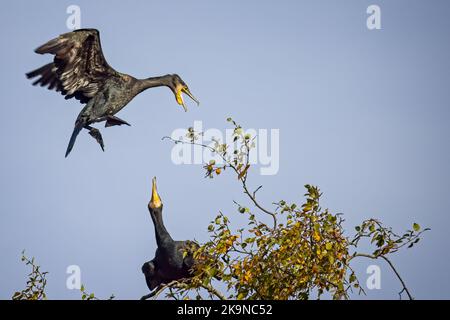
x=362, y=114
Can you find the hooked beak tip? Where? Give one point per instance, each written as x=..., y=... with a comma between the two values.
x=190, y=95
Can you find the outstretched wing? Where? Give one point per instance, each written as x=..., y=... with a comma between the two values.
x=79, y=69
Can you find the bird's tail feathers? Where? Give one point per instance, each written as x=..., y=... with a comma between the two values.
x=76, y=131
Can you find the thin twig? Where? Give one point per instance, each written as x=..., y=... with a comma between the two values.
x=399, y=278
x=247, y=192
x=252, y=196
x=254, y=192
x=404, y=288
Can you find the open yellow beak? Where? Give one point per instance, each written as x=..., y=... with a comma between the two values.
x=155, y=202
x=181, y=89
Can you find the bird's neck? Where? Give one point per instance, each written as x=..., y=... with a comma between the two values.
x=144, y=84
x=163, y=237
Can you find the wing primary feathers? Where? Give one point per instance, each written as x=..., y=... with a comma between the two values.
x=79, y=69
x=39, y=71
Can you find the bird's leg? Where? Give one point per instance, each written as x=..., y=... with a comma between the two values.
x=112, y=121
x=95, y=133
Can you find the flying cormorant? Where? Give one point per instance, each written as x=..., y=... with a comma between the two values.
x=79, y=70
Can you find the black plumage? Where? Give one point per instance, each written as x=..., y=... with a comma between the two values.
x=79, y=70
x=173, y=259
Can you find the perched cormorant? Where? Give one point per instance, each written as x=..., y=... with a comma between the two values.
x=169, y=263
x=79, y=70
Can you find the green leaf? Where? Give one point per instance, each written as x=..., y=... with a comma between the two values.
x=250, y=240
x=317, y=227
x=91, y=296
x=211, y=272
x=240, y=296
x=206, y=281
x=416, y=227
x=82, y=288
x=329, y=246
x=331, y=259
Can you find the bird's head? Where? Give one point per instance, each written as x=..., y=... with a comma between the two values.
x=178, y=86
x=155, y=202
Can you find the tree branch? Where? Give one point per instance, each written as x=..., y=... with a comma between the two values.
x=404, y=288
x=213, y=291
x=252, y=197
x=155, y=293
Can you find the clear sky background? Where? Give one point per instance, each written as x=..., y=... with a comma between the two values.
x=362, y=114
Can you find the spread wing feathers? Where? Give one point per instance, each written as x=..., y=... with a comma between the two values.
x=79, y=68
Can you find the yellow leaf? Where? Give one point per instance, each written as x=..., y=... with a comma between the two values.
x=243, y=172
x=331, y=259
x=316, y=236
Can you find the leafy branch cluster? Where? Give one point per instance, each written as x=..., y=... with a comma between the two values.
x=35, y=288
x=302, y=251
x=91, y=296
x=386, y=242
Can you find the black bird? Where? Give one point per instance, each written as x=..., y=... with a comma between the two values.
x=79, y=70
x=170, y=263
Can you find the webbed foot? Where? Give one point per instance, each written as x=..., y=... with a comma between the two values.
x=115, y=121
x=95, y=133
